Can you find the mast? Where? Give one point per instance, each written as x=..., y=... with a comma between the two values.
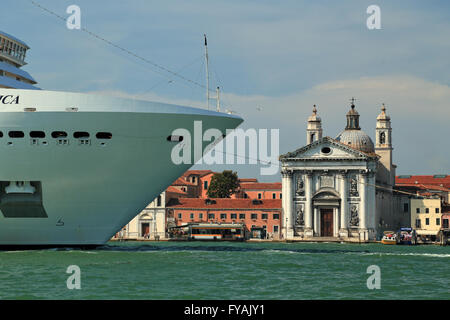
x=207, y=72
x=218, y=99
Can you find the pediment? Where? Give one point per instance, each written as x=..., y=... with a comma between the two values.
x=326, y=149
x=326, y=194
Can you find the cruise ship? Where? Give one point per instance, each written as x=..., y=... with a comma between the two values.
x=75, y=168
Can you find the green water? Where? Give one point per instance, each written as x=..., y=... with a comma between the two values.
x=194, y=270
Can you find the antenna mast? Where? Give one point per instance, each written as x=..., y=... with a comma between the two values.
x=207, y=72
x=218, y=99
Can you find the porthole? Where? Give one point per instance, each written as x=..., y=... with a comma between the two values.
x=103, y=135
x=16, y=134
x=37, y=134
x=80, y=134
x=326, y=150
x=59, y=134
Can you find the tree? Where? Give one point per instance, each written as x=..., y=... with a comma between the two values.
x=223, y=185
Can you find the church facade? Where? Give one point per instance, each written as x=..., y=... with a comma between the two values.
x=340, y=188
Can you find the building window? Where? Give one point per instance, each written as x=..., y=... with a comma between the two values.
x=418, y=224
x=264, y=216
x=438, y=221
x=180, y=216
x=276, y=216
x=200, y=215
x=437, y=210
x=254, y=216
x=245, y=195
x=158, y=201
x=427, y=210
x=223, y=216
x=205, y=185
x=241, y=215
x=445, y=223
x=274, y=195
x=211, y=216
x=233, y=216
x=427, y=221
x=281, y=195
x=275, y=229
x=405, y=207
x=418, y=210
x=259, y=195
x=193, y=179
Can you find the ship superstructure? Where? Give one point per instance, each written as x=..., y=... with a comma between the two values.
x=12, y=57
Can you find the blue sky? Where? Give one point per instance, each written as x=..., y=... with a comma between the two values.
x=274, y=60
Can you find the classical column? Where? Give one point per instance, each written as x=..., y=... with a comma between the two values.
x=308, y=206
x=287, y=203
x=363, y=203
x=316, y=221
x=336, y=222
x=371, y=211
x=343, y=231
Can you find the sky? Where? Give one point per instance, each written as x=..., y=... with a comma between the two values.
x=272, y=60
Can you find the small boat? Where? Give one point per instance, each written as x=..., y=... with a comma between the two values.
x=406, y=236
x=389, y=237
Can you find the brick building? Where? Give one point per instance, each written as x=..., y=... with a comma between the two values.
x=256, y=204
x=261, y=217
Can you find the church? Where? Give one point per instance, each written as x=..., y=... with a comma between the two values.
x=341, y=188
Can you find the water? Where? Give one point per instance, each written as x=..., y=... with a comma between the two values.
x=225, y=270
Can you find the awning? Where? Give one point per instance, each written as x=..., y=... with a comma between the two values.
x=427, y=232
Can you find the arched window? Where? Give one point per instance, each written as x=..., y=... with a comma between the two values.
x=382, y=138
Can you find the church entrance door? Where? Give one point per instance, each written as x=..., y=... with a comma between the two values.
x=326, y=222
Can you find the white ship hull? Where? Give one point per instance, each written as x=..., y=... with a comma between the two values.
x=88, y=191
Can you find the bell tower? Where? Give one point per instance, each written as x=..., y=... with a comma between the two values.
x=383, y=147
x=314, y=127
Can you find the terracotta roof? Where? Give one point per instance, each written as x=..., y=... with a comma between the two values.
x=181, y=182
x=197, y=172
x=427, y=180
x=175, y=190
x=261, y=186
x=248, y=180
x=424, y=186
x=225, y=203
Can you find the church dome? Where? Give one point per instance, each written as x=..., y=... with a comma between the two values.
x=353, y=136
x=356, y=139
